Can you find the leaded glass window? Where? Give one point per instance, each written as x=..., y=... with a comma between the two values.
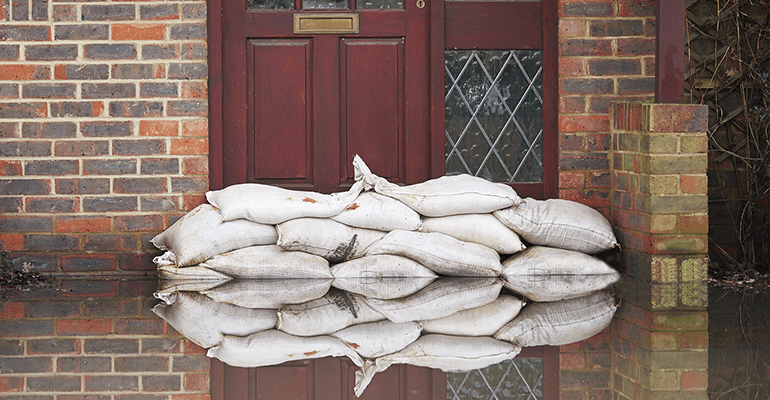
x=520, y=379
x=494, y=114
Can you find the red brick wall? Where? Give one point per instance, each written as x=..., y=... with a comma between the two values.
x=103, y=128
x=606, y=55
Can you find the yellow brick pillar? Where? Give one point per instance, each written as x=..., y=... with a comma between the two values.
x=660, y=213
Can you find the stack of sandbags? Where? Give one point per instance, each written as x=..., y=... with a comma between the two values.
x=384, y=274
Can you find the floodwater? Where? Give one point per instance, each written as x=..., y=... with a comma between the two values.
x=97, y=338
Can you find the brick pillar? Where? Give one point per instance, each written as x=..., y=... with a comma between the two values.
x=660, y=211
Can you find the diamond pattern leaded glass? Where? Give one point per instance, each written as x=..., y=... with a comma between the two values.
x=269, y=5
x=494, y=114
x=520, y=379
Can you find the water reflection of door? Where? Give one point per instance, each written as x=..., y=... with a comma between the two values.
x=290, y=107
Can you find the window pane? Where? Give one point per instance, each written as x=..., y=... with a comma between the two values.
x=324, y=4
x=269, y=5
x=520, y=378
x=494, y=113
x=380, y=4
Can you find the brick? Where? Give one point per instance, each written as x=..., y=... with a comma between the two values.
x=108, y=90
x=10, y=168
x=138, y=32
x=25, y=33
x=9, y=223
x=568, y=142
x=12, y=310
x=9, y=91
x=187, y=108
x=83, y=186
x=110, y=242
x=685, y=164
x=195, y=166
x=77, y=109
x=88, y=288
x=53, y=346
x=116, y=12
x=188, y=31
x=23, y=110
x=194, y=11
x=694, y=184
x=112, y=383
x=20, y=10
x=636, y=85
x=142, y=364
x=189, y=185
x=104, y=51
x=107, y=128
x=572, y=361
x=40, y=10
x=83, y=397
x=111, y=308
x=695, y=224
x=162, y=203
x=66, y=327
x=52, y=205
x=616, y=27
x=631, y=8
x=679, y=360
x=88, y=263
x=108, y=204
x=36, y=262
x=139, y=327
x=188, y=71
x=82, y=32
x=694, y=380
x=60, y=52
x=51, y=167
x=586, y=379
x=10, y=384
x=585, y=47
x=586, y=86
x=571, y=67
x=572, y=104
x=136, y=109
x=161, y=383
x=152, y=89
x=636, y=47
x=159, y=12
x=138, y=147
x=195, y=128
x=133, y=223
x=26, y=365
x=109, y=167
x=160, y=51
x=584, y=161
x=24, y=72
x=664, y=341
x=192, y=348
x=160, y=345
x=587, y=9
x=25, y=328
x=9, y=52
x=189, y=146
x=190, y=363
x=156, y=166
x=137, y=71
x=599, y=179
x=111, y=346
x=190, y=201
x=694, y=144
x=572, y=27
x=695, y=340
x=48, y=90
x=678, y=244
x=139, y=185
x=81, y=148
x=664, y=380
x=52, y=242
x=194, y=51
x=82, y=71
x=195, y=90
x=619, y=66
x=53, y=383
x=196, y=382
x=676, y=118
x=575, y=180
x=47, y=130
x=83, y=364
x=584, y=123
x=8, y=130
x=136, y=261
x=64, y=12
x=51, y=309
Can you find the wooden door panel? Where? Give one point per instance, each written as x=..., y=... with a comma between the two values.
x=279, y=138
x=293, y=381
x=372, y=110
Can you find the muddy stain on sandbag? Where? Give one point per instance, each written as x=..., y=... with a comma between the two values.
x=344, y=250
x=345, y=303
x=352, y=207
x=309, y=200
x=310, y=353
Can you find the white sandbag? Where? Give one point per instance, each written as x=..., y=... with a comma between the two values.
x=194, y=279
x=560, y=223
x=382, y=288
x=204, y=321
x=269, y=293
x=447, y=353
x=479, y=321
x=374, y=211
x=441, y=298
x=376, y=339
x=201, y=234
x=382, y=276
x=329, y=239
x=334, y=311
x=275, y=347
x=447, y=195
x=561, y=322
x=167, y=259
x=269, y=261
x=272, y=205
x=440, y=253
x=476, y=228
x=550, y=274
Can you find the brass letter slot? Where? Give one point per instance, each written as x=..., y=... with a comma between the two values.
x=321, y=23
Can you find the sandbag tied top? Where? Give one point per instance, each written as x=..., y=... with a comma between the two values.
x=560, y=223
x=550, y=274
x=269, y=261
x=272, y=205
x=440, y=253
x=374, y=211
x=204, y=320
x=447, y=195
x=476, y=228
x=202, y=234
x=560, y=322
